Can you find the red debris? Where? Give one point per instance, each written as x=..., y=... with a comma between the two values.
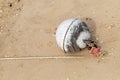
x=95, y=51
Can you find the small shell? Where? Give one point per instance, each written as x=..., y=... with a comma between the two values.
x=70, y=35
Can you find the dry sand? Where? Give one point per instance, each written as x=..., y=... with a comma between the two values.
x=27, y=28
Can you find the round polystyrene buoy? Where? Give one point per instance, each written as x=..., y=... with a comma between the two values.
x=71, y=35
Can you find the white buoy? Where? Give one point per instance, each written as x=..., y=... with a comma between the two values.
x=71, y=34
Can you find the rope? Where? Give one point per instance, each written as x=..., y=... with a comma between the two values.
x=40, y=57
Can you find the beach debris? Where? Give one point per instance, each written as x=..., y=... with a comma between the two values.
x=93, y=47
x=71, y=35
x=100, y=52
x=95, y=51
x=70, y=39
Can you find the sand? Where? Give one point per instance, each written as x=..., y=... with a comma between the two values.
x=27, y=28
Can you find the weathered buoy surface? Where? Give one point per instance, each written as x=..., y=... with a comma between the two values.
x=71, y=35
